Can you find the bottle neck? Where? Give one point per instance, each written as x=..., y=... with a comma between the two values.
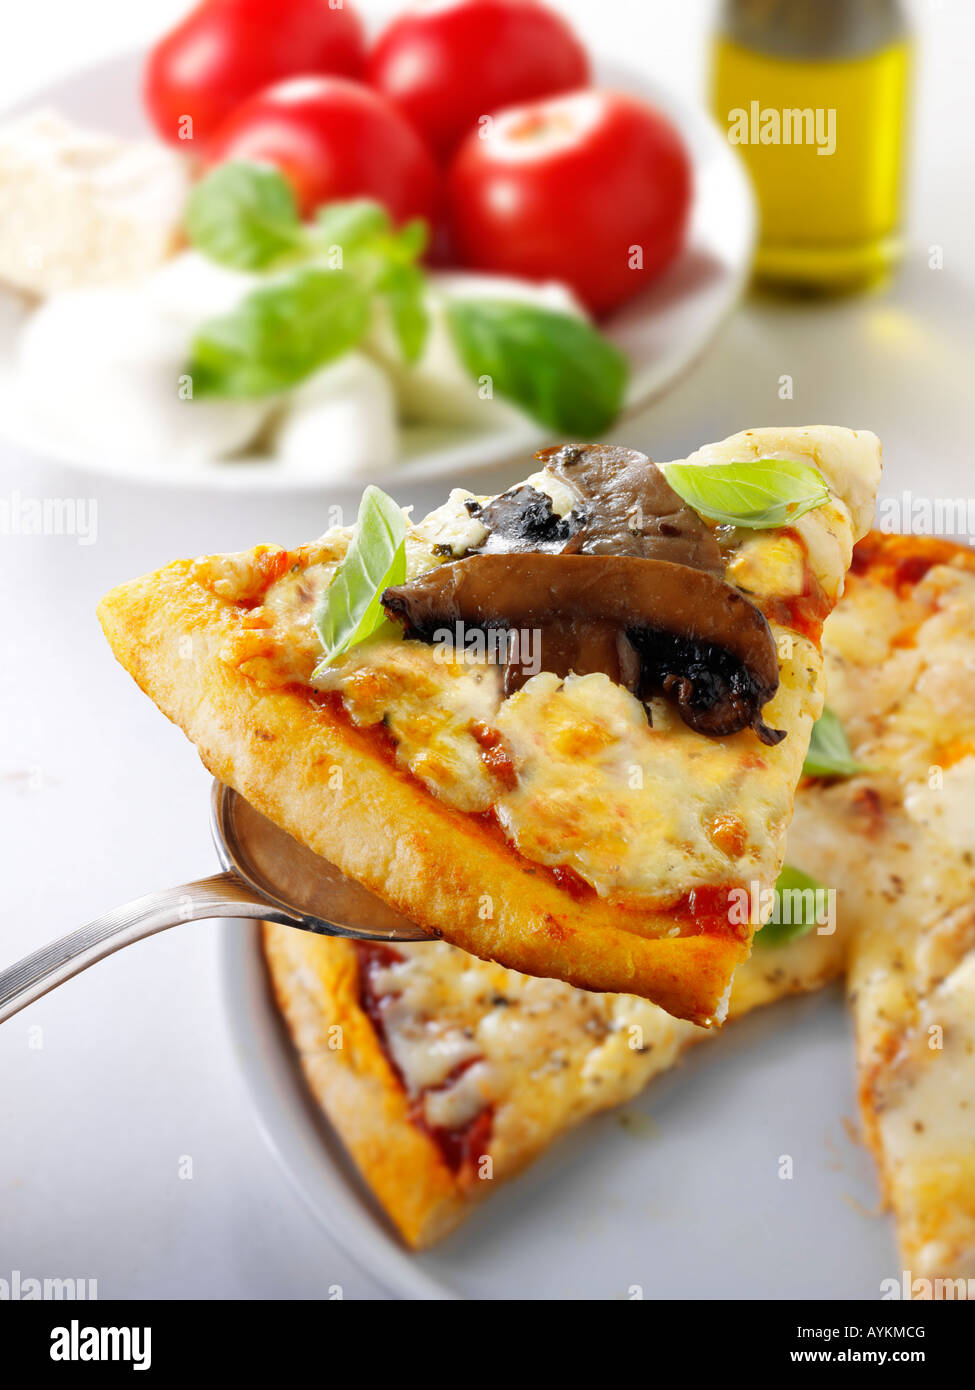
x=813, y=28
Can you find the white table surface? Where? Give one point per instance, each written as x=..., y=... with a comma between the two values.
x=109, y=1083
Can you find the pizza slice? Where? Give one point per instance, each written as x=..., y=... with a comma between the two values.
x=445, y=1075
x=560, y=728
x=903, y=681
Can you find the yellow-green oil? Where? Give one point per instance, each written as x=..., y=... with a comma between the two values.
x=829, y=221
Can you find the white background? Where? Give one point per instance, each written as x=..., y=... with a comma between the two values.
x=100, y=800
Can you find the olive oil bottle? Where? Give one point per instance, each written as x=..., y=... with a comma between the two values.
x=813, y=93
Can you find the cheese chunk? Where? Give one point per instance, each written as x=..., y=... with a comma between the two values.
x=78, y=208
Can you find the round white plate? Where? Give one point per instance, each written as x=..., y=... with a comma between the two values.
x=662, y=331
x=678, y=1195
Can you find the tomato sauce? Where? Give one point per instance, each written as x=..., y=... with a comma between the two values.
x=462, y=1146
x=707, y=912
x=806, y=611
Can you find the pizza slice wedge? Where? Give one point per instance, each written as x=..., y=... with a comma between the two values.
x=560, y=728
x=445, y=1075
x=904, y=685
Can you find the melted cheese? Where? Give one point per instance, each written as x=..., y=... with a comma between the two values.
x=431, y=707
x=543, y=1054
x=849, y=461
x=547, y=1055
x=585, y=756
x=900, y=840
x=660, y=794
x=642, y=812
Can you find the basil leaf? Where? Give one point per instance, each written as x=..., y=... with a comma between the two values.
x=829, y=752
x=350, y=610
x=403, y=286
x=351, y=224
x=279, y=334
x=412, y=239
x=557, y=368
x=244, y=216
x=759, y=495
x=778, y=931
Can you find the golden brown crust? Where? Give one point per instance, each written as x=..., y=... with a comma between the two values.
x=281, y=750
x=348, y=1073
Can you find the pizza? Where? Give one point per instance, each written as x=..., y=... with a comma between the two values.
x=591, y=780
x=902, y=679
x=445, y=1075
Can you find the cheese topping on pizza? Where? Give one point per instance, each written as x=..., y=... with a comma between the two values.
x=903, y=680
x=896, y=840
x=567, y=752
x=561, y=727
x=468, y=1037
x=497, y=1063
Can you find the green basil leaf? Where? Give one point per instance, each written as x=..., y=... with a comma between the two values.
x=279, y=334
x=350, y=225
x=350, y=608
x=412, y=239
x=243, y=215
x=759, y=494
x=557, y=368
x=829, y=752
x=403, y=286
x=795, y=915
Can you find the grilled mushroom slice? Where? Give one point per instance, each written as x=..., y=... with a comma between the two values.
x=624, y=506
x=649, y=624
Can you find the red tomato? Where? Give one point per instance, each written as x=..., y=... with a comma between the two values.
x=592, y=189
x=333, y=139
x=446, y=65
x=226, y=50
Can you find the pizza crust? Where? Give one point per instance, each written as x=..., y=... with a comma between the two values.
x=281, y=750
x=350, y=1077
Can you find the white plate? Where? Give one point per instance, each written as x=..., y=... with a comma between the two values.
x=678, y=1195
x=662, y=332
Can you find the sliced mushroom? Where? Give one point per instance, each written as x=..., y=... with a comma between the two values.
x=627, y=507
x=649, y=624
x=624, y=506
x=521, y=519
